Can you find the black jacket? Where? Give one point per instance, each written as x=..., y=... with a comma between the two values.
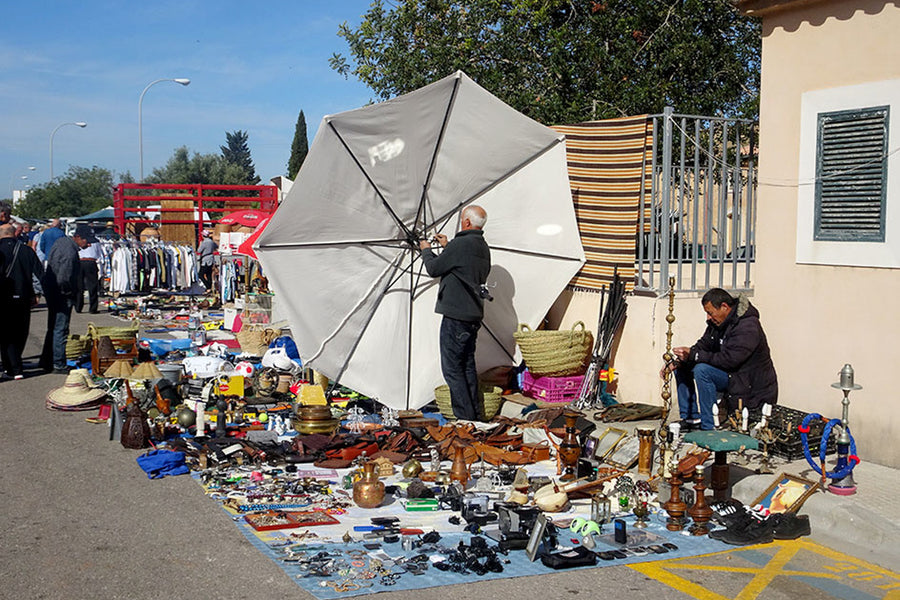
x=463, y=267
x=738, y=346
x=19, y=285
x=62, y=279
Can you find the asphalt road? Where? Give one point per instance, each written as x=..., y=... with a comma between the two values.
x=81, y=520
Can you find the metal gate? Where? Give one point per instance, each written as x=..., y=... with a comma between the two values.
x=698, y=220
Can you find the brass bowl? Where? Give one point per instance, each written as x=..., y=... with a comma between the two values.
x=307, y=427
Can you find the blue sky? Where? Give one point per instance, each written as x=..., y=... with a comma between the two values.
x=253, y=66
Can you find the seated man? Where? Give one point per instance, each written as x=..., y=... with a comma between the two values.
x=732, y=356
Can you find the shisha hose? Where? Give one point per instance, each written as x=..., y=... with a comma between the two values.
x=852, y=458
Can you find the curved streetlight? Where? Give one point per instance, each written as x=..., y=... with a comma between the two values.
x=22, y=177
x=81, y=124
x=179, y=80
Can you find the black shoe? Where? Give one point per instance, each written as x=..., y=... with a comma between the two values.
x=60, y=371
x=729, y=512
x=688, y=425
x=790, y=526
x=753, y=531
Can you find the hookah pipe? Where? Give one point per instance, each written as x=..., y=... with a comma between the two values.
x=842, y=477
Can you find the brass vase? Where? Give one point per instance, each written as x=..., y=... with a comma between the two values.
x=459, y=470
x=569, y=449
x=368, y=492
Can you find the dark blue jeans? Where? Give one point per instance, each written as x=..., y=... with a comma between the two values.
x=458, y=366
x=59, y=314
x=708, y=381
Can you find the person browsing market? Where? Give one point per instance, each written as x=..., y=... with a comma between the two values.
x=463, y=266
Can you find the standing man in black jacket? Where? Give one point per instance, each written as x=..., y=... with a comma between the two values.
x=62, y=282
x=732, y=356
x=463, y=266
x=18, y=265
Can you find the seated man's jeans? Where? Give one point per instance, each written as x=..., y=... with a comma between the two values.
x=708, y=381
x=458, y=366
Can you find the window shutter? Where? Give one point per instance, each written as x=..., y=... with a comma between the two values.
x=851, y=175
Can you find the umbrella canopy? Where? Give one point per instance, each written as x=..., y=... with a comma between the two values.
x=247, y=218
x=246, y=247
x=341, y=252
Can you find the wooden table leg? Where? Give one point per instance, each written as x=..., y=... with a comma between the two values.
x=720, y=477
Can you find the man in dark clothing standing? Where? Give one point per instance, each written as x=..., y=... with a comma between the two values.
x=463, y=266
x=732, y=356
x=18, y=265
x=206, y=252
x=62, y=282
x=90, y=278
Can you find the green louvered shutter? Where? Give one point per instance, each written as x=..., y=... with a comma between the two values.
x=851, y=175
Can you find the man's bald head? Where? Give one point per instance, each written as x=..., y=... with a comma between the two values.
x=7, y=231
x=475, y=215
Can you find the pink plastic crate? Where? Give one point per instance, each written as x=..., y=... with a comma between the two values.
x=551, y=389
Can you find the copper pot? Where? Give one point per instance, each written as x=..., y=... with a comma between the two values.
x=368, y=492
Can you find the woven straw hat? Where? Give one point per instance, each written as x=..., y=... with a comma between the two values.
x=76, y=392
x=146, y=370
x=121, y=369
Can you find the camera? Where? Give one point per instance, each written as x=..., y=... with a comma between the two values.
x=485, y=293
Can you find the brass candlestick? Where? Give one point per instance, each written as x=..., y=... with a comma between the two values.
x=666, y=393
x=675, y=506
x=700, y=512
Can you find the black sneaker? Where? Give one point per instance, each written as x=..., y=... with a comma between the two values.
x=753, y=531
x=790, y=526
x=729, y=512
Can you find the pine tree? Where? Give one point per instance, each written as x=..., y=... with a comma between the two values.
x=299, y=147
x=237, y=152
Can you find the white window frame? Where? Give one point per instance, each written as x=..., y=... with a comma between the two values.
x=837, y=252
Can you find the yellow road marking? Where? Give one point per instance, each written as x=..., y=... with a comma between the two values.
x=846, y=566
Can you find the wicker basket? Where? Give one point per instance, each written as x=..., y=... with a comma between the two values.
x=492, y=400
x=123, y=332
x=77, y=346
x=555, y=353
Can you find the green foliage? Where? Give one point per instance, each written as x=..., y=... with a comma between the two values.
x=564, y=61
x=238, y=152
x=199, y=168
x=79, y=192
x=299, y=147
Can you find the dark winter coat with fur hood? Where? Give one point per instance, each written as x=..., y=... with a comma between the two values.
x=738, y=346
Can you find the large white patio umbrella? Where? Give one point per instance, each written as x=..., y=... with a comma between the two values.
x=341, y=252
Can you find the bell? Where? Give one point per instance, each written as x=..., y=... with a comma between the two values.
x=411, y=468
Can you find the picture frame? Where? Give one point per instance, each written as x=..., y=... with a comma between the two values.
x=786, y=493
x=607, y=442
x=537, y=536
x=625, y=453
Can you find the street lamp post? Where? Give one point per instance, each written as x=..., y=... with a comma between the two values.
x=81, y=124
x=179, y=80
x=12, y=177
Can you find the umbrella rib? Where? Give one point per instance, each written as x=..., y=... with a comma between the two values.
x=498, y=181
x=534, y=253
x=420, y=213
x=384, y=201
x=389, y=243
